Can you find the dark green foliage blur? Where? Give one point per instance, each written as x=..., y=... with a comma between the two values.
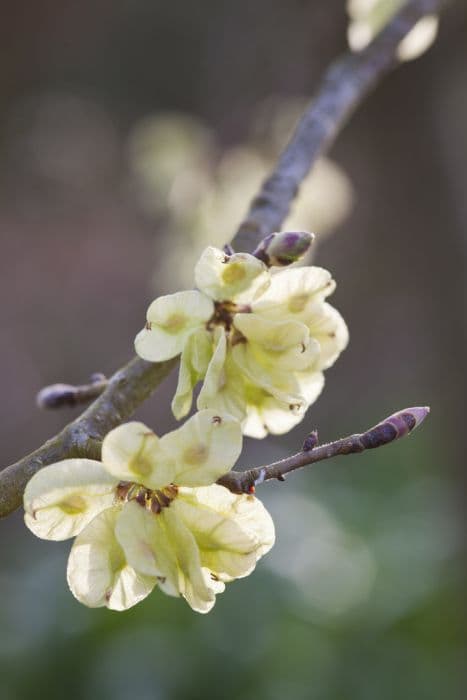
x=363, y=596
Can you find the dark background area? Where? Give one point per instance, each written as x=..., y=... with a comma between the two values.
x=364, y=594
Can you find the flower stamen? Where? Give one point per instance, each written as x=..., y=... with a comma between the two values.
x=153, y=500
x=224, y=312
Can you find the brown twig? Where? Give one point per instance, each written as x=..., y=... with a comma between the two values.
x=344, y=86
x=392, y=428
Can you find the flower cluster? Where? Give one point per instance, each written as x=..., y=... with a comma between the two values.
x=259, y=339
x=151, y=514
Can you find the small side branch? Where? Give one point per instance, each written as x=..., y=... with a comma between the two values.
x=392, y=428
x=59, y=395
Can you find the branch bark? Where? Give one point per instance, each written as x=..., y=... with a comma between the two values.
x=344, y=86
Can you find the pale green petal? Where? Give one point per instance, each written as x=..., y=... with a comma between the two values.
x=212, y=581
x=229, y=399
x=194, y=363
x=329, y=329
x=134, y=530
x=171, y=320
x=229, y=389
x=98, y=572
x=222, y=388
x=253, y=425
x=271, y=417
x=61, y=499
x=267, y=391
x=213, y=379
x=275, y=345
x=132, y=452
x=292, y=291
x=266, y=414
x=194, y=586
x=204, y=448
x=183, y=397
x=277, y=417
x=232, y=531
x=162, y=546
x=275, y=336
x=239, y=277
x=311, y=385
x=280, y=383
x=299, y=294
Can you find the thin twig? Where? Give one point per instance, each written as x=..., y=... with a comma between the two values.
x=338, y=95
x=344, y=86
x=59, y=395
x=392, y=428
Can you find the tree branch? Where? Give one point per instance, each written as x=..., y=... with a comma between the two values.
x=126, y=390
x=392, y=428
x=343, y=88
x=345, y=85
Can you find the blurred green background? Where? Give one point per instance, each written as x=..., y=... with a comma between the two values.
x=132, y=134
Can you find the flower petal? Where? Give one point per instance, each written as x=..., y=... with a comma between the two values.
x=239, y=277
x=230, y=397
x=267, y=414
x=219, y=392
x=272, y=416
x=132, y=452
x=277, y=417
x=194, y=363
x=171, y=320
x=98, y=572
x=61, y=499
x=285, y=345
x=162, y=546
x=204, y=448
x=135, y=532
x=275, y=336
x=329, y=329
x=260, y=372
x=311, y=385
x=292, y=291
x=232, y=531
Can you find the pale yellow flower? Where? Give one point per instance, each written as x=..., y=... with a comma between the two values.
x=259, y=338
x=151, y=514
